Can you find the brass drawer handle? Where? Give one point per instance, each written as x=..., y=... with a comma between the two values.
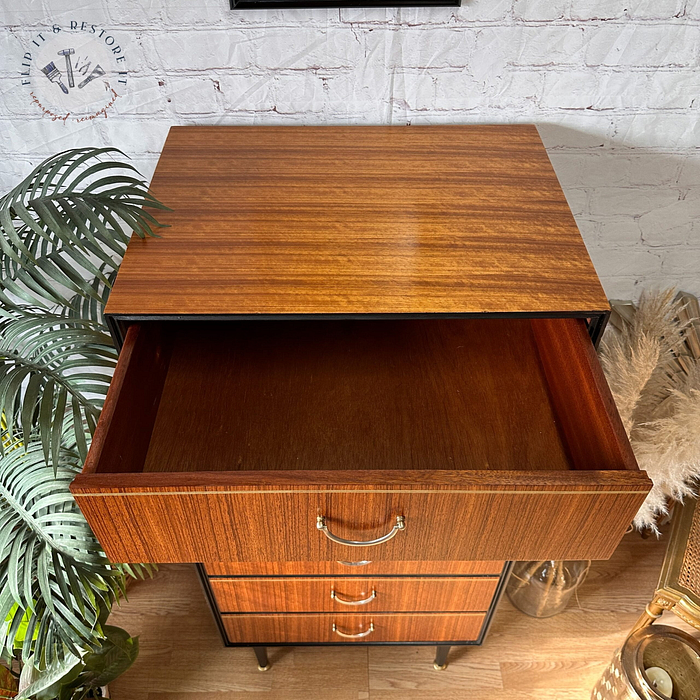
x=354, y=636
x=345, y=601
x=364, y=562
x=321, y=525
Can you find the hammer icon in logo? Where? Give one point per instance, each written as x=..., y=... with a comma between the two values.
x=69, y=66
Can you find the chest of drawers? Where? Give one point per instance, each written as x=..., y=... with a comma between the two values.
x=357, y=377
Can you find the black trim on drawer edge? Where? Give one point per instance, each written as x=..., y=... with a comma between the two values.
x=214, y=607
x=118, y=323
x=236, y=577
x=596, y=327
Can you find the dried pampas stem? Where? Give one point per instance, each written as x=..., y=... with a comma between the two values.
x=650, y=355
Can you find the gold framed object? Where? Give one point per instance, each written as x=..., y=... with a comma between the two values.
x=672, y=649
x=678, y=589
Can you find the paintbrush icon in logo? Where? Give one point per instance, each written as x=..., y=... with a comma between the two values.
x=54, y=75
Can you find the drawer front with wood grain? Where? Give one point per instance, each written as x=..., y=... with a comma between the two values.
x=328, y=594
x=533, y=462
x=356, y=567
x=326, y=628
x=474, y=516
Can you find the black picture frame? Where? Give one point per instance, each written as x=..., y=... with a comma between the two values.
x=281, y=4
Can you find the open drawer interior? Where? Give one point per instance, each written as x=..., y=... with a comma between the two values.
x=423, y=394
x=436, y=440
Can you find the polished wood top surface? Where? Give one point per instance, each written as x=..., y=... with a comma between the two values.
x=358, y=220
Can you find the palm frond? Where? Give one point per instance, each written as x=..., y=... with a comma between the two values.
x=50, y=562
x=63, y=231
x=54, y=371
x=69, y=222
x=45, y=683
x=92, y=308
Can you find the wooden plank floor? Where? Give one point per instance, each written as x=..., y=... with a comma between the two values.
x=182, y=657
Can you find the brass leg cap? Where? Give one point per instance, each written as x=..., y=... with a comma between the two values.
x=264, y=668
x=437, y=667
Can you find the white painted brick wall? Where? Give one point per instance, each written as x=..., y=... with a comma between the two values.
x=613, y=85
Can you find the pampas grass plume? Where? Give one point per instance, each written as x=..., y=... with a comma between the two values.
x=658, y=397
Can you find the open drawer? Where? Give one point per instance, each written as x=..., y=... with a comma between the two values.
x=440, y=439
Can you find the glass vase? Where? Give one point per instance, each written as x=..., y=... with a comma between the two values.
x=544, y=588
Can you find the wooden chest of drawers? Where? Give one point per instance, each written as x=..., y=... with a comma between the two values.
x=358, y=344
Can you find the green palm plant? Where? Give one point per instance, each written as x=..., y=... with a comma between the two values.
x=63, y=232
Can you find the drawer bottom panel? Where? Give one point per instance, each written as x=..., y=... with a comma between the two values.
x=385, y=627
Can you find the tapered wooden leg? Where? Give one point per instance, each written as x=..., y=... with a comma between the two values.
x=440, y=663
x=261, y=655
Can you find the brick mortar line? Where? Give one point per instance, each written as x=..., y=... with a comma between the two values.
x=161, y=27
x=258, y=71
x=538, y=118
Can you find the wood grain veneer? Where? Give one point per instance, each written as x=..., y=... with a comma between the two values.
x=469, y=515
x=301, y=594
x=407, y=627
x=581, y=400
x=338, y=569
x=401, y=394
x=358, y=220
x=125, y=425
x=398, y=394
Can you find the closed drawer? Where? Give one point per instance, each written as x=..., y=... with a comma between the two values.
x=484, y=439
x=356, y=567
x=353, y=628
x=341, y=594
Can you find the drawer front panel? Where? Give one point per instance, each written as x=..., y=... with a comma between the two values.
x=344, y=595
x=318, y=628
x=582, y=517
x=356, y=567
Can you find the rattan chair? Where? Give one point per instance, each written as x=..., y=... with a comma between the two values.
x=678, y=589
